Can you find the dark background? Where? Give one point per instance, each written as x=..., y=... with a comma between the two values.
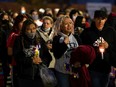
x=30, y=4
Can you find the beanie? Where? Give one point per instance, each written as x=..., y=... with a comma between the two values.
x=100, y=14
x=84, y=54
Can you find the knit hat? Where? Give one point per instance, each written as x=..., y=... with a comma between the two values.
x=84, y=54
x=100, y=14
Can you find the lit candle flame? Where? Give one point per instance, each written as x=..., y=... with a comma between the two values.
x=101, y=49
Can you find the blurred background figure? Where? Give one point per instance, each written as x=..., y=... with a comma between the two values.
x=17, y=26
x=5, y=29
x=35, y=16
x=60, y=13
x=73, y=14
x=23, y=10
x=79, y=25
x=4, y=68
x=48, y=12
x=6, y=23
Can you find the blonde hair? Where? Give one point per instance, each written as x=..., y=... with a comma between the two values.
x=48, y=18
x=59, y=22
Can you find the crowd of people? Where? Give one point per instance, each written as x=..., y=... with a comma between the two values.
x=79, y=50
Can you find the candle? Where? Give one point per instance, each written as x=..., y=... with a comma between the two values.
x=101, y=47
x=36, y=52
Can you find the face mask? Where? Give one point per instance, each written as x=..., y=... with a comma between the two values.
x=34, y=17
x=46, y=29
x=74, y=18
x=31, y=35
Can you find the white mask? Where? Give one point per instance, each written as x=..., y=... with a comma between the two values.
x=30, y=35
x=74, y=17
x=35, y=17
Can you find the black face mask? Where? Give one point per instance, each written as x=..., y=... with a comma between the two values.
x=5, y=21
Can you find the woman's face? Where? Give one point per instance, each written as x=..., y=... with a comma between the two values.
x=31, y=31
x=67, y=26
x=5, y=17
x=47, y=24
x=74, y=16
x=83, y=20
x=31, y=28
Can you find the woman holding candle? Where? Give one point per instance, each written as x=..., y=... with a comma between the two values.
x=27, y=51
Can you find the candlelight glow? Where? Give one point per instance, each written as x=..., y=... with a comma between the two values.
x=101, y=49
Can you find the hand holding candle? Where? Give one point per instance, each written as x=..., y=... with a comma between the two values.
x=36, y=58
x=102, y=46
x=101, y=49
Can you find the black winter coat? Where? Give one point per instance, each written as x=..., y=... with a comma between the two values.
x=25, y=67
x=89, y=36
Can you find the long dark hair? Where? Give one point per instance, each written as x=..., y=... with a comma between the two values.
x=25, y=24
x=17, y=20
x=78, y=21
x=24, y=27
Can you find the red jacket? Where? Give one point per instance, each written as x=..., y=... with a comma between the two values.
x=85, y=55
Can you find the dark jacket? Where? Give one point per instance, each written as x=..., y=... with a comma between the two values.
x=3, y=49
x=45, y=55
x=89, y=36
x=3, y=53
x=60, y=48
x=62, y=51
x=25, y=67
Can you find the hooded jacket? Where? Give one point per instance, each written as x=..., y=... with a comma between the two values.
x=89, y=36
